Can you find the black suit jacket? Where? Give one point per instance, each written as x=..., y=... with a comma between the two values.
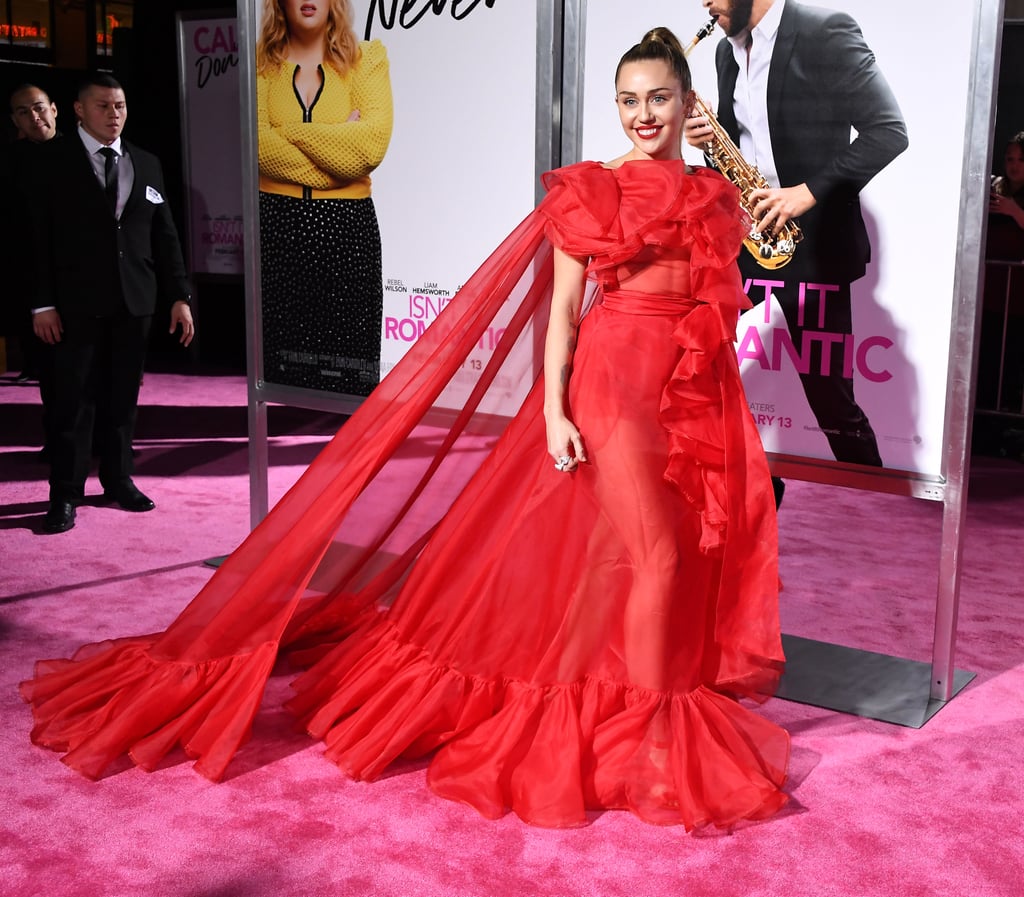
x=90, y=262
x=822, y=81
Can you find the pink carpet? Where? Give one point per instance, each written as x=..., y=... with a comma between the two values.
x=876, y=809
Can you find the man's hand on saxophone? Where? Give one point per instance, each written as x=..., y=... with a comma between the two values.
x=775, y=206
x=771, y=207
x=697, y=131
x=774, y=230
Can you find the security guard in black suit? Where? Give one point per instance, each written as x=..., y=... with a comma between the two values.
x=106, y=249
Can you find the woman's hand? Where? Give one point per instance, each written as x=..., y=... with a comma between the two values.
x=1006, y=205
x=564, y=441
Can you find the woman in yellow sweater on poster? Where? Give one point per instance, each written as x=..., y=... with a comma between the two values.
x=324, y=112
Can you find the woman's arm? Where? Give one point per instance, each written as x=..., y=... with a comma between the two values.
x=1006, y=205
x=279, y=159
x=354, y=148
x=282, y=160
x=343, y=150
x=559, y=347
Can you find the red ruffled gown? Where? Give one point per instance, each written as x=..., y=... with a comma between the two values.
x=557, y=642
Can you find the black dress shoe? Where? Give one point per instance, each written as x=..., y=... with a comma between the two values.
x=60, y=517
x=130, y=498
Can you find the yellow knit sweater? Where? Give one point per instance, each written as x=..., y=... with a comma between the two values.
x=327, y=153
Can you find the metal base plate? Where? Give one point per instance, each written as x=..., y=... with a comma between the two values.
x=876, y=686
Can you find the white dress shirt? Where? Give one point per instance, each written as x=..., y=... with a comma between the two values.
x=750, y=99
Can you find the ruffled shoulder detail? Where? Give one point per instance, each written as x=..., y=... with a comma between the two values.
x=610, y=215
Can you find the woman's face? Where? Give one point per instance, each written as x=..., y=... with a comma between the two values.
x=305, y=16
x=652, y=108
x=1013, y=164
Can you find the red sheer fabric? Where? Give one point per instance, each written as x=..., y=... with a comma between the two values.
x=559, y=642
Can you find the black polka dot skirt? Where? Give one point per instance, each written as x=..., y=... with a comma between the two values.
x=322, y=297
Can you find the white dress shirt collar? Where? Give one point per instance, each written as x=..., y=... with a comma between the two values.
x=92, y=145
x=765, y=30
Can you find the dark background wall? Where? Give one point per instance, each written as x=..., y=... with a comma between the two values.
x=1010, y=106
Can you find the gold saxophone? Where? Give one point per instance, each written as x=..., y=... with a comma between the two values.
x=771, y=250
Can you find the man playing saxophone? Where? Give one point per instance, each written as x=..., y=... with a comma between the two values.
x=792, y=82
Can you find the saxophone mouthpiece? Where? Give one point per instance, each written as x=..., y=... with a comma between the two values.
x=709, y=26
x=704, y=31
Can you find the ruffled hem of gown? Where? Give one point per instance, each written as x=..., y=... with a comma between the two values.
x=550, y=753
x=117, y=697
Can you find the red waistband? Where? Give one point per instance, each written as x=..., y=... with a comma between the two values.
x=631, y=303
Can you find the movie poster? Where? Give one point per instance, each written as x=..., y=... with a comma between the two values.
x=376, y=204
x=460, y=173
x=208, y=69
x=806, y=340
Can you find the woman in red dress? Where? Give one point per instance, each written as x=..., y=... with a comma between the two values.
x=563, y=607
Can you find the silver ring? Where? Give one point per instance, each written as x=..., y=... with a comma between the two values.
x=563, y=463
